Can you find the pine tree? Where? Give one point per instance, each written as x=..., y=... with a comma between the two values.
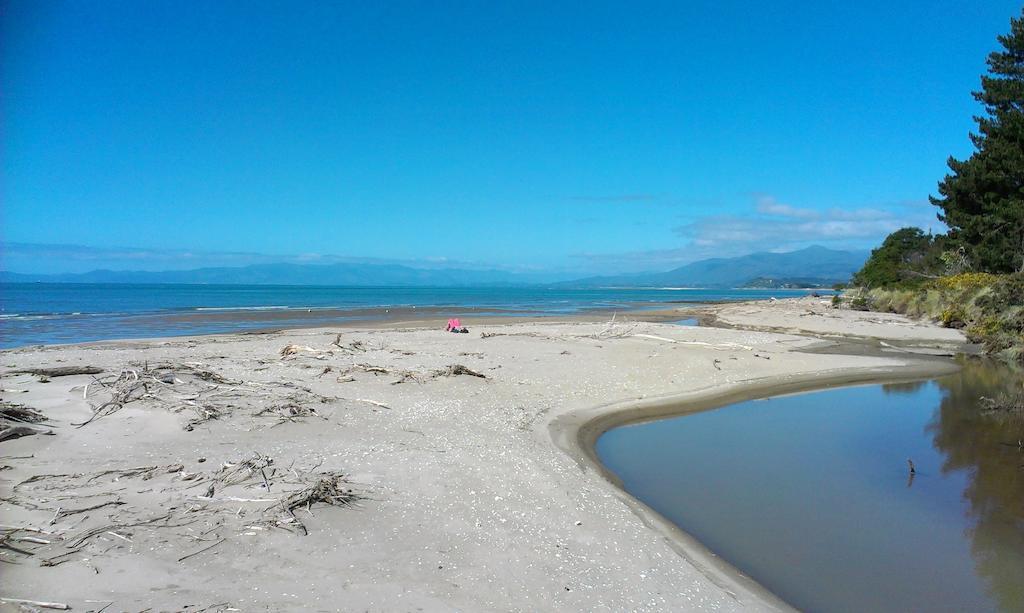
x=982, y=201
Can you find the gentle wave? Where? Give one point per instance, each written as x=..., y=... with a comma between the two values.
x=34, y=316
x=248, y=308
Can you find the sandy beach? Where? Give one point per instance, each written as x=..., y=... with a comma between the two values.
x=461, y=465
x=817, y=317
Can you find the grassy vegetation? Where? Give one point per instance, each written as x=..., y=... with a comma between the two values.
x=989, y=308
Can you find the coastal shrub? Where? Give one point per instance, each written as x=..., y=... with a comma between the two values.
x=901, y=300
x=891, y=300
x=1000, y=335
x=989, y=308
x=931, y=303
x=953, y=316
x=1005, y=292
x=1000, y=326
x=860, y=303
x=968, y=281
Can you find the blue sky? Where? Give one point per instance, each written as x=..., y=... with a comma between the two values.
x=612, y=137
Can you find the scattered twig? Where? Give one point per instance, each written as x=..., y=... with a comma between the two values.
x=195, y=553
x=353, y=347
x=234, y=499
x=82, y=538
x=123, y=538
x=62, y=513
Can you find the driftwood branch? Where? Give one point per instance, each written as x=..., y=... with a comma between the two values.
x=10, y=411
x=373, y=402
x=59, y=371
x=13, y=432
x=60, y=606
x=62, y=513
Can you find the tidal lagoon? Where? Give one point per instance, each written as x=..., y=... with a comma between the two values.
x=812, y=494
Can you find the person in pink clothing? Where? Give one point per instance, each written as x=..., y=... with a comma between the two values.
x=454, y=325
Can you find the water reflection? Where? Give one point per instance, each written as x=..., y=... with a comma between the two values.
x=986, y=447
x=910, y=387
x=689, y=321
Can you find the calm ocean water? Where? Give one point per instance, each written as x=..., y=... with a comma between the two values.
x=42, y=313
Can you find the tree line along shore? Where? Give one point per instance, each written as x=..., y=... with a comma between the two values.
x=971, y=277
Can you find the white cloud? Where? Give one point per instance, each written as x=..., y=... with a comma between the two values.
x=774, y=226
x=769, y=206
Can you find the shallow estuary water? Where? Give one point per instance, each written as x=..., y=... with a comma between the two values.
x=811, y=494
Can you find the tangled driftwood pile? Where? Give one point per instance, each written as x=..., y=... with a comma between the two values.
x=329, y=488
x=202, y=393
x=407, y=376
x=113, y=519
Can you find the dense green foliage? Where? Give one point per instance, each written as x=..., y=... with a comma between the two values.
x=906, y=258
x=982, y=201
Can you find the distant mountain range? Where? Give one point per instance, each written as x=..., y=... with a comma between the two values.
x=813, y=266
x=350, y=274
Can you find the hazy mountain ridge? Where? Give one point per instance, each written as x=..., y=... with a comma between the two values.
x=815, y=265
x=351, y=274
